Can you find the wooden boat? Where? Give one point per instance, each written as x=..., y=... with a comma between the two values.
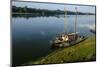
x=67, y=39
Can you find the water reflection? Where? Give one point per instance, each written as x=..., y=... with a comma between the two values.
x=31, y=35
x=27, y=16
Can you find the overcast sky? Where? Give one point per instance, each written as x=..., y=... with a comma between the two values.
x=89, y=9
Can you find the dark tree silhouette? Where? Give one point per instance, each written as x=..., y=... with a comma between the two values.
x=44, y=12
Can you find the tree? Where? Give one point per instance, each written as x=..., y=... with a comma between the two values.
x=25, y=9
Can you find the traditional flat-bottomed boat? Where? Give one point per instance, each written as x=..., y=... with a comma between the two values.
x=67, y=39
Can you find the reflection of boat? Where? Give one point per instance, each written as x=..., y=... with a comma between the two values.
x=67, y=39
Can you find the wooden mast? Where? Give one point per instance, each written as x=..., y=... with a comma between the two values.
x=65, y=21
x=75, y=20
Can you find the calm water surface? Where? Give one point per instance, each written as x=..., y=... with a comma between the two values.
x=31, y=36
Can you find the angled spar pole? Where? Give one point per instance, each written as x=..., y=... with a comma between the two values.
x=65, y=21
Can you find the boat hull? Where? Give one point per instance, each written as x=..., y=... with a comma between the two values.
x=67, y=44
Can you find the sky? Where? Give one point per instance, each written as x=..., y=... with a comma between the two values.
x=52, y=6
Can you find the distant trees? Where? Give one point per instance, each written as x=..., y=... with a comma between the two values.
x=37, y=12
x=19, y=9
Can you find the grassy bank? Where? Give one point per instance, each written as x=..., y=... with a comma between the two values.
x=84, y=51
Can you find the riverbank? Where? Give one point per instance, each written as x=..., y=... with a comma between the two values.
x=84, y=51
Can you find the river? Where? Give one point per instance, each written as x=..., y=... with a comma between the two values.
x=31, y=36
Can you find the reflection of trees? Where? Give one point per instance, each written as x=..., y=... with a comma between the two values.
x=32, y=15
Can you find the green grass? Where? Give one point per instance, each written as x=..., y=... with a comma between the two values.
x=84, y=51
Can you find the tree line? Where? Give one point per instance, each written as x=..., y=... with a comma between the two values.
x=39, y=12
